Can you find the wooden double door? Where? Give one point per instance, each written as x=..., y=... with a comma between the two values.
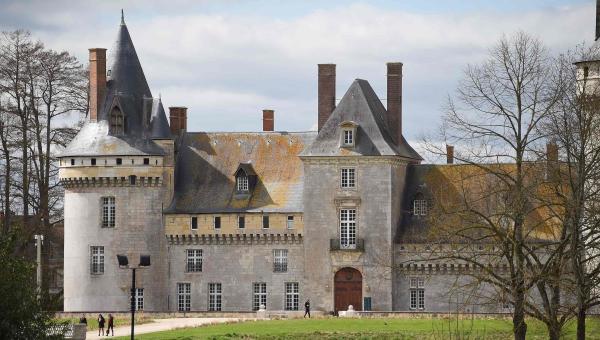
x=347, y=284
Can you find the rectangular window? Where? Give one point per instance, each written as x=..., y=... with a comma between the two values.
x=119, y=161
x=265, y=222
x=348, y=137
x=417, y=293
x=93, y=161
x=72, y=161
x=348, y=228
x=292, y=295
x=194, y=260
x=242, y=183
x=348, y=178
x=184, y=297
x=420, y=207
x=194, y=223
x=260, y=295
x=217, y=222
x=146, y=161
x=214, y=296
x=108, y=212
x=290, y=222
x=280, y=260
x=97, y=259
x=139, y=299
x=241, y=222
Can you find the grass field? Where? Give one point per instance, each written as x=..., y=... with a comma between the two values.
x=341, y=328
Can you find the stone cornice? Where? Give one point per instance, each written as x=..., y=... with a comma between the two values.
x=74, y=182
x=234, y=239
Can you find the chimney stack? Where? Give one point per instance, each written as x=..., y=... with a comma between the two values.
x=97, y=81
x=178, y=119
x=394, y=100
x=326, y=92
x=597, y=19
x=449, y=154
x=268, y=120
x=552, y=152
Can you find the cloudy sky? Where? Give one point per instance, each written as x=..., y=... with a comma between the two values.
x=227, y=60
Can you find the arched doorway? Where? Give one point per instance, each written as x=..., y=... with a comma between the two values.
x=347, y=284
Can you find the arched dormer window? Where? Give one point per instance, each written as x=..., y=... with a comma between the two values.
x=245, y=179
x=117, y=121
x=348, y=134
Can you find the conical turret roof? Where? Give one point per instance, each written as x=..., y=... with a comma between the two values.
x=159, y=125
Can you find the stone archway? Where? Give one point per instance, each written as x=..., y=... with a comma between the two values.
x=347, y=284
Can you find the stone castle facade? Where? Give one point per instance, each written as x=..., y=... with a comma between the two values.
x=236, y=220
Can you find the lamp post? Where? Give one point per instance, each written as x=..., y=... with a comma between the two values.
x=124, y=264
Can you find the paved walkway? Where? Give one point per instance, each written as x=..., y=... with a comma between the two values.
x=162, y=325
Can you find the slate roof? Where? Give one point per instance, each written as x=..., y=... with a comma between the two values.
x=159, y=126
x=361, y=105
x=207, y=162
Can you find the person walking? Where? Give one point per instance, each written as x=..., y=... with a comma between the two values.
x=111, y=325
x=307, y=308
x=100, y=325
x=83, y=319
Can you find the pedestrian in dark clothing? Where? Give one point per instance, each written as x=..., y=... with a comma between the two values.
x=100, y=325
x=83, y=319
x=111, y=325
x=307, y=308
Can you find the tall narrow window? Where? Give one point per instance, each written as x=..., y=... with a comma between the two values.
x=348, y=228
x=217, y=222
x=241, y=222
x=266, y=222
x=242, y=183
x=194, y=223
x=348, y=137
x=292, y=295
x=139, y=299
x=97, y=260
x=348, y=178
x=108, y=212
x=260, y=295
x=93, y=161
x=194, y=260
x=417, y=293
x=214, y=296
x=280, y=260
x=184, y=297
x=117, y=122
x=290, y=222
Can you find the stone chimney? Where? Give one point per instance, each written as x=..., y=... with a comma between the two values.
x=326, y=92
x=268, y=120
x=394, y=100
x=552, y=152
x=449, y=154
x=178, y=119
x=97, y=81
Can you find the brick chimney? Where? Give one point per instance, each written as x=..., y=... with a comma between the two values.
x=449, y=154
x=394, y=100
x=326, y=92
x=552, y=152
x=268, y=120
x=178, y=119
x=97, y=81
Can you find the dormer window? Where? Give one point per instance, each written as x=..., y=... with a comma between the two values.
x=117, y=121
x=245, y=178
x=348, y=134
x=420, y=205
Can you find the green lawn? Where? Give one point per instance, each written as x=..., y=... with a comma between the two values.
x=341, y=328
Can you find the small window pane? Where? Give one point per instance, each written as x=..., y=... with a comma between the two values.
x=242, y=183
x=214, y=297
x=420, y=207
x=241, y=222
x=108, y=212
x=280, y=260
x=266, y=222
x=139, y=299
x=290, y=222
x=97, y=259
x=217, y=222
x=184, y=296
x=260, y=295
x=348, y=178
x=194, y=260
x=194, y=225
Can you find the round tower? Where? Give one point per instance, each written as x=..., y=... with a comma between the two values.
x=117, y=175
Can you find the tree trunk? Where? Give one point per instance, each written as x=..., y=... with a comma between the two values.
x=581, y=314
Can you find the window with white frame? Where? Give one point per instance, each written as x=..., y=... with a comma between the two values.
x=194, y=260
x=242, y=183
x=348, y=139
x=184, y=296
x=97, y=259
x=348, y=178
x=420, y=207
x=417, y=293
x=292, y=295
x=348, y=228
x=108, y=212
x=139, y=299
x=214, y=296
x=217, y=222
x=280, y=260
x=290, y=222
x=260, y=295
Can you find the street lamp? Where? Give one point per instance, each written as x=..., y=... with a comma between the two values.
x=124, y=264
